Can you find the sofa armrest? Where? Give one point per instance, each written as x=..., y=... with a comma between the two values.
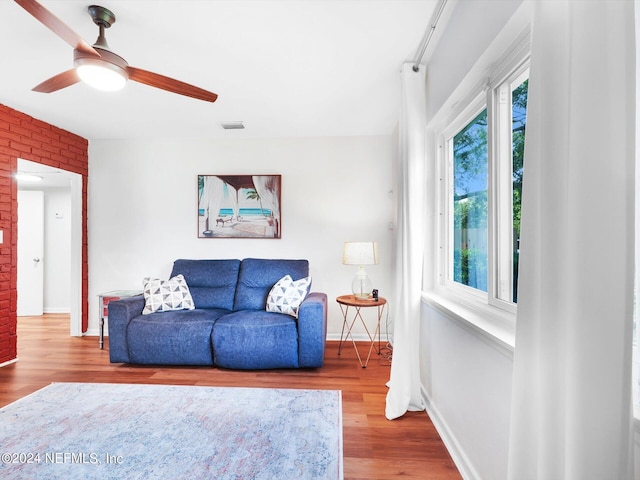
x=120, y=313
x=312, y=330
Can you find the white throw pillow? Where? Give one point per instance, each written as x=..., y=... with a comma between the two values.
x=165, y=295
x=286, y=295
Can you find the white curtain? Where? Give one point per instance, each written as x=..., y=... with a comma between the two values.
x=404, y=384
x=268, y=188
x=211, y=199
x=571, y=403
x=232, y=193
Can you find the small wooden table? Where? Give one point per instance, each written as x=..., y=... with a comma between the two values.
x=346, y=301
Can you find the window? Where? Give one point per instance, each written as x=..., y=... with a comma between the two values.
x=470, y=180
x=484, y=158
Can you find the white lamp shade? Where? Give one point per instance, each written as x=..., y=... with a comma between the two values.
x=360, y=253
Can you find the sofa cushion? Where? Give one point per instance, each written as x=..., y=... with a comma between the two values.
x=257, y=277
x=172, y=338
x=287, y=295
x=255, y=340
x=166, y=295
x=212, y=282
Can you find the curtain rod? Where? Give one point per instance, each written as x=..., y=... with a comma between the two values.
x=428, y=34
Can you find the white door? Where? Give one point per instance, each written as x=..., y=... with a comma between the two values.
x=30, y=251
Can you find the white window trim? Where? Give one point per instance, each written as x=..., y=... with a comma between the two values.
x=500, y=147
x=494, y=317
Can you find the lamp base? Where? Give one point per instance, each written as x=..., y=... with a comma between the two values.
x=364, y=296
x=361, y=285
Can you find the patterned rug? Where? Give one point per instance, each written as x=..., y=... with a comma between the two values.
x=117, y=431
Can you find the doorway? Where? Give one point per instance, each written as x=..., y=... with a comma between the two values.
x=61, y=260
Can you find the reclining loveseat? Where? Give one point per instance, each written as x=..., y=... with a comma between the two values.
x=230, y=317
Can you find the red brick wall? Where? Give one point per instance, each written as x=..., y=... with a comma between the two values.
x=22, y=136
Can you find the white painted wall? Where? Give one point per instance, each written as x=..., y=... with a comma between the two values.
x=466, y=379
x=473, y=26
x=57, y=248
x=142, y=208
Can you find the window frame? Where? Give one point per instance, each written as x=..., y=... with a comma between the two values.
x=495, y=94
x=501, y=178
x=473, y=109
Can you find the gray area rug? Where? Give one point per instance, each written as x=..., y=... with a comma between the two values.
x=119, y=431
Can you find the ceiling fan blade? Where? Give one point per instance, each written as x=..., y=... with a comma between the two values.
x=58, y=82
x=169, y=84
x=56, y=25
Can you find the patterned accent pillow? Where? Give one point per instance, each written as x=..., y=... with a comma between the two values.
x=286, y=295
x=165, y=295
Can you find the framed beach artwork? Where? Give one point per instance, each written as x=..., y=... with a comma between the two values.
x=239, y=206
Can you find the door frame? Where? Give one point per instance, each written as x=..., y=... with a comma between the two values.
x=75, y=302
x=75, y=287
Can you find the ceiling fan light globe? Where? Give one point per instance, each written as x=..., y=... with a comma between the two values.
x=101, y=75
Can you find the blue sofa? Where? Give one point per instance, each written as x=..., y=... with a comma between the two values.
x=229, y=327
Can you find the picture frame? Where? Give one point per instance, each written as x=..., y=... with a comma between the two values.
x=239, y=206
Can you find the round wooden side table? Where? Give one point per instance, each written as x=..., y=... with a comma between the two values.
x=350, y=301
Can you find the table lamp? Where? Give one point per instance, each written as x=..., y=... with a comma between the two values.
x=360, y=253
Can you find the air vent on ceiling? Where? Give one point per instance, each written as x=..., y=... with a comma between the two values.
x=232, y=125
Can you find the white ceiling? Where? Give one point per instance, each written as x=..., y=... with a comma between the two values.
x=286, y=68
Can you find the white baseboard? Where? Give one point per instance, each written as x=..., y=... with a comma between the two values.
x=56, y=310
x=358, y=337
x=450, y=442
x=8, y=362
x=94, y=332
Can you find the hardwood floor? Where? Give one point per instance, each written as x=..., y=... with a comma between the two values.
x=374, y=447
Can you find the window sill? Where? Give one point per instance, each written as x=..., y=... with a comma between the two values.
x=492, y=324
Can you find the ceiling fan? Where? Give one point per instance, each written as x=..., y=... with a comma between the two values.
x=97, y=65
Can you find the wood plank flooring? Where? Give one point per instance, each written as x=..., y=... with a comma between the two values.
x=374, y=447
